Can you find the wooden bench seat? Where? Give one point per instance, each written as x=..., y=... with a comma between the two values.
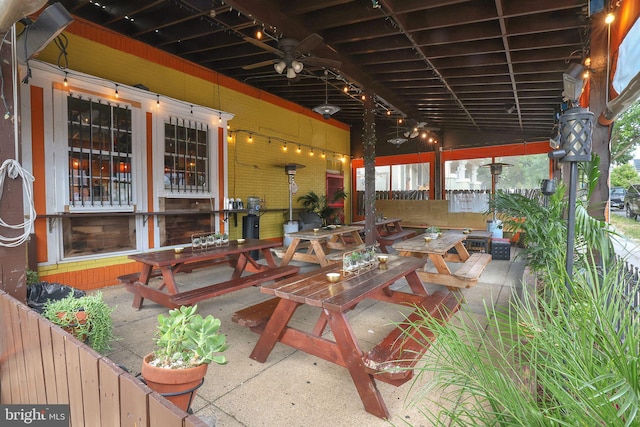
x=256, y=316
x=184, y=268
x=336, y=256
x=194, y=296
x=281, y=250
x=392, y=238
x=465, y=276
x=473, y=267
x=392, y=360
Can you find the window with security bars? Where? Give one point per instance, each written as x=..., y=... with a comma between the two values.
x=186, y=156
x=99, y=153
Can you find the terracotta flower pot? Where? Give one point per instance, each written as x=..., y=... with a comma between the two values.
x=177, y=385
x=81, y=317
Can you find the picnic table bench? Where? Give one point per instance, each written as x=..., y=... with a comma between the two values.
x=388, y=231
x=438, y=252
x=270, y=318
x=167, y=263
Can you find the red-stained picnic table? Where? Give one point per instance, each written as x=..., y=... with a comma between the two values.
x=390, y=361
x=167, y=263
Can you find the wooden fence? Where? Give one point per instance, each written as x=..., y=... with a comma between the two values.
x=42, y=364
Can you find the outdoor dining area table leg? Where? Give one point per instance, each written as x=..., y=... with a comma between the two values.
x=345, y=351
x=354, y=362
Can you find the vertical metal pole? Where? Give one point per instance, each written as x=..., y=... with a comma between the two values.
x=571, y=222
x=290, y=198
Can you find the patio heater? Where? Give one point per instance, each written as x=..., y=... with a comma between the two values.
x=494, y=225
x=291, y=226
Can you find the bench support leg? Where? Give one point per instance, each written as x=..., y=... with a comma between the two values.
x=273, y=330
x=353, y=357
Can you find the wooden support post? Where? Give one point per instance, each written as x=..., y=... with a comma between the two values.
x=13, y=261
x=369, y=168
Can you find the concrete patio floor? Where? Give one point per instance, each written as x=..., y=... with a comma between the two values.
x=294, y=388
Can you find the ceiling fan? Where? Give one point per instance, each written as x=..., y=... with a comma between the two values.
x=416, y=129
x=292, y=55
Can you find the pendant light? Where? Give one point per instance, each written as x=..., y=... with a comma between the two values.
x=398, y=140
x=326, y=110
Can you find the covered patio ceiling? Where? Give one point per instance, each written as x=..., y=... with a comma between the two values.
x=489, y=66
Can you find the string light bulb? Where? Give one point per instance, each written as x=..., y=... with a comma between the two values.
x=345, y=89
x=609, y=18
x=324, y=154
x=311, y=152
x=65, y=82
x=157, y=101
x=250, y=138
x=219, y=117
x=284, y=147
x=117, y=94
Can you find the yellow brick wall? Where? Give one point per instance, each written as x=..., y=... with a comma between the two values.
x=251, y=166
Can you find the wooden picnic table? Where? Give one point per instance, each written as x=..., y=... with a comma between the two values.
x=167, y=263
x=390, y=361
x=388, y=231
x=322, y=242
x=438, y=252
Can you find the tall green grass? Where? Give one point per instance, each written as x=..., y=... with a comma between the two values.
x=560, y=358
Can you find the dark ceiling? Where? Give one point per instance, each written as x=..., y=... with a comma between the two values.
x=488, y=66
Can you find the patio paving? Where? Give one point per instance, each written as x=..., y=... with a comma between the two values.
x=294, y=388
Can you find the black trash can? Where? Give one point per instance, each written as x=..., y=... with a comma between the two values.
x=251, y=230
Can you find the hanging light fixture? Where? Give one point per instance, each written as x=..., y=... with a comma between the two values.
x=326, y=110
x=398, y=140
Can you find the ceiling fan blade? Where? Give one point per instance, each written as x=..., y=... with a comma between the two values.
x=309, y=43
x=264, y=46
x=320, y=62
x=260, y=64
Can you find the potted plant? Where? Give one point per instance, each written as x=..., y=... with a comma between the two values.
x=432, y=232
x=326, y=209
x=186, y=344
x=87, y=317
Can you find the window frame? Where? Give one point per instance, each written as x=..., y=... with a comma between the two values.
x=179, y=111
x=61, y=134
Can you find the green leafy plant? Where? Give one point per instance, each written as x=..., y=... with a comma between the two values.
x=185, y=339
x=569, y=359
x=312, y=202
x=543, y=228
x=97, y=330
x=563, y=354
x=32, y=277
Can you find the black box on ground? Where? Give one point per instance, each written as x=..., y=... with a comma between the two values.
x=500, y=249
